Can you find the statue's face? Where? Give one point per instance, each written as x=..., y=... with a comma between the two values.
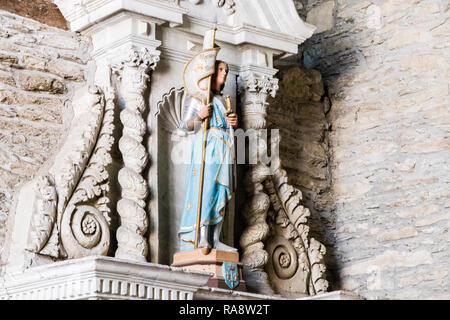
x=221, y=74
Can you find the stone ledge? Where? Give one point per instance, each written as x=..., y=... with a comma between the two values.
x=100, y=278
x=334, y=295
x=207, y=293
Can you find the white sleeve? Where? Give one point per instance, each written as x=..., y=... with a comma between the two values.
x=190, y=111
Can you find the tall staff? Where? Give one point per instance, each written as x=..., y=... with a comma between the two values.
x=205, y=126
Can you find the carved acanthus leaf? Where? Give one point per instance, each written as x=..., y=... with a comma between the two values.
x=254, y=90
x=291, y=217
x=85, y=223
x=44, y=213
x=81, y=180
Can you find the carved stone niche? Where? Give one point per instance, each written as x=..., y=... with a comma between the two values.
x=174, y=149
x=174, y=152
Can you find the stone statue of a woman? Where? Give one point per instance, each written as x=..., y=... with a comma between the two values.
x=218, y=175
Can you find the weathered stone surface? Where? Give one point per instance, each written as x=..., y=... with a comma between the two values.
x=66, y=70
x=418, y=211
x=396, y=234
x=41, y=10
x=7, y=78
x=59, y=67
x=389, y=259
x=322, y=16
x=59, y=42
x=386, y=73
x=409, y=36
x=8, y=59
x=35, y=82
x=11, y=96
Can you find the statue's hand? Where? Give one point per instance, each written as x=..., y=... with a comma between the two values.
x=232, y=120
x=205, y=111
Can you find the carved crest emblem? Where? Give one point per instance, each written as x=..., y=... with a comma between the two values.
x=230, y=274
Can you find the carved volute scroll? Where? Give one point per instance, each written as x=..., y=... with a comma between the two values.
x=288, y=220
x=134, y=75
x=276, y=239
x=86, y=221
x=254, y=91
x=70, y=214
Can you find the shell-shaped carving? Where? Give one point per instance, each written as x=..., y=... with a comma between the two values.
x=170, y=110
x=84, y=232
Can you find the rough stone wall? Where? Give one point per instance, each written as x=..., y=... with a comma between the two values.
x=44, y=11
x=386, y=68
x=40, y=68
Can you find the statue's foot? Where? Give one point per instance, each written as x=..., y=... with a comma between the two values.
x=203, y=242
x=204, y=245
x=223, y=247
x=206, y=251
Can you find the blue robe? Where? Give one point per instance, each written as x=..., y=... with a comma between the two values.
x=217, y=182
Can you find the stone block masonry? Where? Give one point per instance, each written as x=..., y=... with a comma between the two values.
x=44, y=11
x=40, y=68
x=386, y=69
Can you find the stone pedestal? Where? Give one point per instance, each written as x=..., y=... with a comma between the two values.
x=212, y=262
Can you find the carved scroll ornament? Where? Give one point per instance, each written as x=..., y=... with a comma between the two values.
x=297, y=266
x=170, y=111
x=70, y=217
x=276, y=239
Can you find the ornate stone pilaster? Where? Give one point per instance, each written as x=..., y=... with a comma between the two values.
x=254, y=90
x=134, y=75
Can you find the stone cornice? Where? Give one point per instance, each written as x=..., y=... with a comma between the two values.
x=132, y=41
x=103, y=277
x=283, y=37
x=248, y=34
x=183, y=57
x=98, y=277
x=82, y=16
